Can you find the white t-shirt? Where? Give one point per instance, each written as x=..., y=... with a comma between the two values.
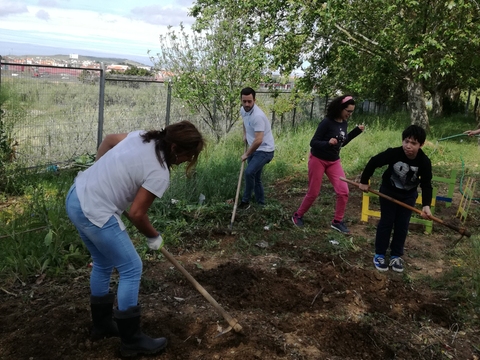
x=109, y=186
x=255, y=120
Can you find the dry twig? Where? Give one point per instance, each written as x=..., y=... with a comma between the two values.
x=315, y=298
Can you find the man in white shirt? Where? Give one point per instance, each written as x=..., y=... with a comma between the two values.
x=257, y=132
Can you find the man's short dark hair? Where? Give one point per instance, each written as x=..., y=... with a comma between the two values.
x=247, y=91
x=415, y=132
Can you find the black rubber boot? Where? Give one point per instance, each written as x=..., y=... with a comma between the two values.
x=102, y=311
x=134, y=342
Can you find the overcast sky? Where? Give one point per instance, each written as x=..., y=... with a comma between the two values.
x=119, y=27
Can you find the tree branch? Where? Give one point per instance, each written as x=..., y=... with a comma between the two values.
x=360, y=48
x=356, y=33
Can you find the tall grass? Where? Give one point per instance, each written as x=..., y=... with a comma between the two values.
x=37, y=237
x=36, y=234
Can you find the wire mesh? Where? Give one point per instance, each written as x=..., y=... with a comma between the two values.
x=53, y=114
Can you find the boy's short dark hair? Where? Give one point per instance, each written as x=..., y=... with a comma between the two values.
x=415, y=132
x=248, y=91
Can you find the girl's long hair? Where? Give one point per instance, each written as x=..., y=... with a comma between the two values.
x=336, y=106
x=184, y=135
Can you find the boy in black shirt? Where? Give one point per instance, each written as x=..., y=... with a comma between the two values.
x=408, y=166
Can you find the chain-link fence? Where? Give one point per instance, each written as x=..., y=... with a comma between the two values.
x=50, y=115
x=55, y=114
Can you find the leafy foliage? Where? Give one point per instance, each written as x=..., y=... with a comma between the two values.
x=209, y=67
x=131, y=74
x=87, y=77
x=374, y=49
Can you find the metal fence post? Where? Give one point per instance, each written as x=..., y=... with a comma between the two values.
x=294, y=115
x=311, y=108
x=273, y=108
x=467, y=104
x=295, y=108
x=169, y=100
x=101, y=106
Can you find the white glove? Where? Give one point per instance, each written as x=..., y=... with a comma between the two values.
x=155, y=243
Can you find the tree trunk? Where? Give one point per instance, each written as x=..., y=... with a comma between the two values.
x=454, y=94
x=416, y=104
x=476, y=111
x=437, y=103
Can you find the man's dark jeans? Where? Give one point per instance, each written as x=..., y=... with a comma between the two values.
x=253, y=176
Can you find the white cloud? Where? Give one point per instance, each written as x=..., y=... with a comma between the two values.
x=186, y=3
x=100, y=26
x=48, y=3
x=43, y=15
x=10, y=8
x=86, y=29
x=162, y=15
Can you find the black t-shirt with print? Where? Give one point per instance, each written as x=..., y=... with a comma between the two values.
x=403, y=175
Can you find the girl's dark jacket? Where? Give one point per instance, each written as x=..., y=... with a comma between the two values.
x=326, y=130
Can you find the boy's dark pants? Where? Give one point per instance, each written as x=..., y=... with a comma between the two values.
x=393, y=217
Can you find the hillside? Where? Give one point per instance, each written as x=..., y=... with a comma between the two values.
x=66, y=58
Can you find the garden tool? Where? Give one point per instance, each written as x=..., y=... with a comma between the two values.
x=461, y=230
x=454, y=136
x=238, y=191
x=232, y=322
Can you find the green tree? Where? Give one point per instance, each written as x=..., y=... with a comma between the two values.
x=379, y=48
x=127, y=78
x=87, y=77
x=209, y=67
x=136, y=71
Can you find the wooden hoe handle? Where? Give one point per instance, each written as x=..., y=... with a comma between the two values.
x=460, y=230
x=239, y=185
x=231, y=321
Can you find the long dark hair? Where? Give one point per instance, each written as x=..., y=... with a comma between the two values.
x=337, y=105
x=184, y=135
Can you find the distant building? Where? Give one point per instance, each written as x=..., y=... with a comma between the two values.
x=117, y=68
x=163, y=75
x=74, y=56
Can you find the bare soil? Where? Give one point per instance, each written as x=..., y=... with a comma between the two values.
x=301, y=297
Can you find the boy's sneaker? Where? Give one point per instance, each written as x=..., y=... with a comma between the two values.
x=244, y=205
x=340, y=226
x=297, y=220
x=396, y=263
x=380, y=263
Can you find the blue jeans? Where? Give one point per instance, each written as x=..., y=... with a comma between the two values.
x=110, y=247
x=253, y=176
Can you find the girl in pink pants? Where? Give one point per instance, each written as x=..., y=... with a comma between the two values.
x=330, y=137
